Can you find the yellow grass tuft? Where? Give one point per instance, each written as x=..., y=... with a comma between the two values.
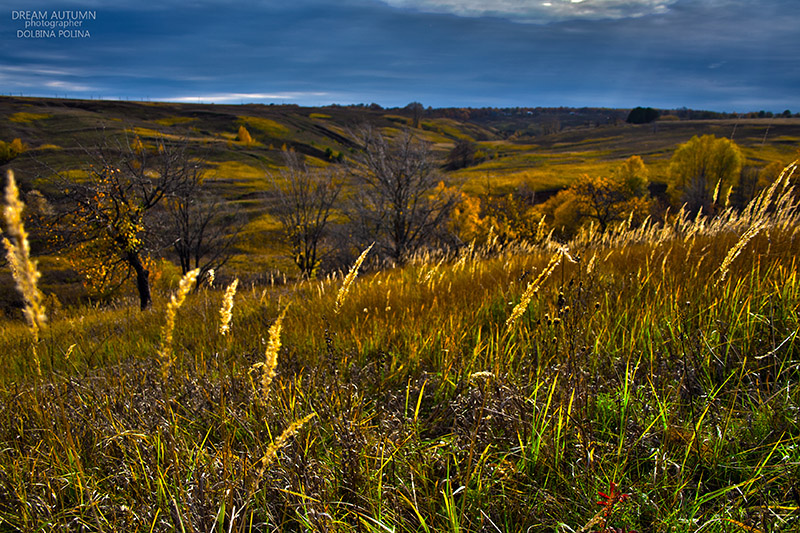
x=736, y=249
x=175, y=302
x=226, y=311
x=271, y=355
x=273, y=448
x=23, y=268
x=532, y=288
x=348, y=280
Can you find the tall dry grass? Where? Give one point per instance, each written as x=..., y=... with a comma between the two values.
x=165, y=353
x=23, y=268
x=629, y=367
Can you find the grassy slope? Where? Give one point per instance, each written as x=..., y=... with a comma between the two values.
x=639, y=364
x=59, y=132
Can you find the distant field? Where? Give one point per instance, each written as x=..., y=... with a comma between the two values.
x=519, y=153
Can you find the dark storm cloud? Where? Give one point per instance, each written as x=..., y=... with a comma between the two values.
x=718, y=54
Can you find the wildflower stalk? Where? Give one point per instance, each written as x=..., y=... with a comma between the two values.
x=23, y=268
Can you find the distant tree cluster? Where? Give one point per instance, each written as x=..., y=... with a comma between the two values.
x=642, y=115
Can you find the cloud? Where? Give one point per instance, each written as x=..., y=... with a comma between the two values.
x=539, y=11
x=67, y=86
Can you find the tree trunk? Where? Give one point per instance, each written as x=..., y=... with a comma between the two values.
x=142, y=279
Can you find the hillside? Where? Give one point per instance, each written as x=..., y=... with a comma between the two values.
x=645, y=378
x=58, y=130
x=540, y=150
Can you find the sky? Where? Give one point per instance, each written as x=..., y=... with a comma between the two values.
x=722, y=55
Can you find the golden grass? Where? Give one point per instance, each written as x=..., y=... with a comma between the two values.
x=226, y=311
x=175, y=302
x=349, y=279
x=23, y=268
x=149, y=133
x=171, y=121
x=265, y=125
x=24, y=117
x=237, y=171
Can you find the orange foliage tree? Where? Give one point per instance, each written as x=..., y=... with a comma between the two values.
x=9, y=151
x=244, y=136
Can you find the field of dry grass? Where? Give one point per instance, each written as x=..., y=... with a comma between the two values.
x=500, y=389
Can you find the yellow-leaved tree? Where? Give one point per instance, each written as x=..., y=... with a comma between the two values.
x=703, y=171
x=244, y=136
x=106, y=229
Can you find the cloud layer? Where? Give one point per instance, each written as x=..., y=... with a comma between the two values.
x=539, y=11
x=716, y=54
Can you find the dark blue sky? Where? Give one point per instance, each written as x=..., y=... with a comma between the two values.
x=727, y=55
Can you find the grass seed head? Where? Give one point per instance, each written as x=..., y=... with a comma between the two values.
x=226, y=311
x=349, y=279
x=280, y=442
x=532, y=288
x=271, y=356
x=23, y=268
x=177, y=299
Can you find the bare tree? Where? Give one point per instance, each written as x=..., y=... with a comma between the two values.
x=200, y=228
x=397, y=202
x=305, y=201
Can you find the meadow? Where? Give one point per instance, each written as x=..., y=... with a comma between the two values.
x=500, y=389
x=643, y=379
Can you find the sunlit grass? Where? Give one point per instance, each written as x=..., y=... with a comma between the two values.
x=23, y=117
x=265, y=125
x=172, y=121
x=626, y=366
